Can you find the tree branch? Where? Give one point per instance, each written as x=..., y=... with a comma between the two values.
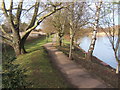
x=6, y=34
x=4, y=9
x=6, y=40
x=34, y=16
x=42, y=11
x=41, y=19
x=7, y=16
x=18, y=14
x=10, y=12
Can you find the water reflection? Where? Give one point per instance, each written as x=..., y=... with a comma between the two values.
x=103, y=50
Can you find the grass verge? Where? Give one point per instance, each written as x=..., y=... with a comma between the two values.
x=40, y=72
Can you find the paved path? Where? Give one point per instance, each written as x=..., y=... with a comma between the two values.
x=77, y=76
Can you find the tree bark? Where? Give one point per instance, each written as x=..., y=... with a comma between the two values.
x=117, y=69
x=19, y=49
x=61, y=34
x=71, y=44
x=60, y=39
x=91, y=48
x=23, y=51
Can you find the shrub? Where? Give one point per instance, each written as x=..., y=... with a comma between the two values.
x=12, y=75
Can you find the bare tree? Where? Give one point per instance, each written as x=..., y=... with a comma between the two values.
x=59, y=22
x=48, y=27
x=112, y=31
x=96, y=23
x=77, y=20
x=15, y=40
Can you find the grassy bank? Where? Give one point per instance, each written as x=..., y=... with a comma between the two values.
x=94, y=67
x=40, y=72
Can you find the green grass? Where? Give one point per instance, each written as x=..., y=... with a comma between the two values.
x=41, y=73
x=66, y=42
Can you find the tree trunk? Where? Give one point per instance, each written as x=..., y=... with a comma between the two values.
x=22, y=43
x=70, y=51
x=60, y=41
x=71, y=44
x=91, y=48
x=92, y=45
x=117, y=59
x=19, y=49
x=23, y=51
x=117, y=69
x=61, y=38
x=19, y=45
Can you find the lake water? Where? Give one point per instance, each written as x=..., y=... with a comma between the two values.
x=102, y=51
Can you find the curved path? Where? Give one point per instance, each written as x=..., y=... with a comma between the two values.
x=77, y=76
